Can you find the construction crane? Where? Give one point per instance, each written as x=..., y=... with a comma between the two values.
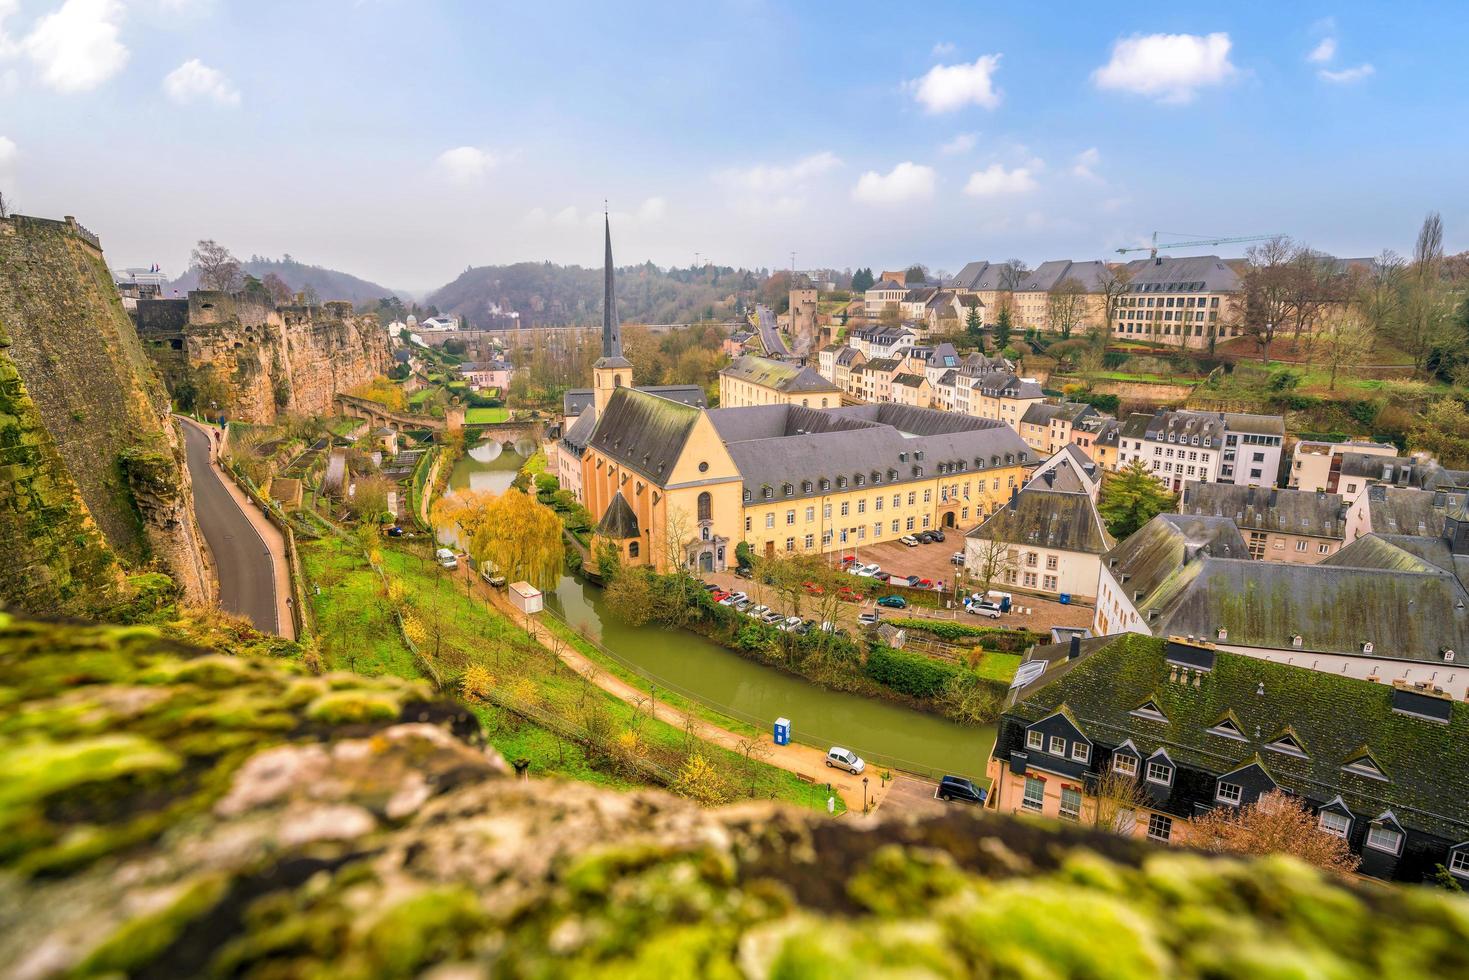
x=1152, y=249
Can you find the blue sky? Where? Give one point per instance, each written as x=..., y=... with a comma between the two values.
x=405, y=140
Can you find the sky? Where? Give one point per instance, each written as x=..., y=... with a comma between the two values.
x=405, y=140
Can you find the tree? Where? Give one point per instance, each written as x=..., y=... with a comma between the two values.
x=1313, y=282
x=916, y=275
x=1343, y=341
x=514, y=532
x=280, y=293
x=1131, y=497
x=1012, y=274
x=862, y=280
x=7, y=206
x=1002, y=328
x=701, y=782
x=974, y=325
x=218, y=269
x=1427, y=306
x=1443, y=432
x=1265, y=292
x=1065, y=306
x=1115, y=802
x=1379, y=294
x=991, y=557
x=1274, y=824
x=630, y=597
x=1112, y=283
x=370, y=499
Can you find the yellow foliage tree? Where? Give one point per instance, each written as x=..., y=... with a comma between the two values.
x=476, y=682
x=513, y=531
x=701, y=782
x=413, y=629
x=384, y=392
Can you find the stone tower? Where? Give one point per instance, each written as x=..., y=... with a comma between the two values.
x=612, y=370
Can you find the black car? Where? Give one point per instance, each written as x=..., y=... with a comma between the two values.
x=957, y=789
x=926, y=537
x=937, y=533
x=745, y=572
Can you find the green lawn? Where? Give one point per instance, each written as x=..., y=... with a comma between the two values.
x=477, y=416
x=998, y=666
x=419, y=396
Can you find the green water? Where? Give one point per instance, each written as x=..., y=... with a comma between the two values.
x=880, y=731
x=488, y=466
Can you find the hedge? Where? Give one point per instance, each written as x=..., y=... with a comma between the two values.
x=909, y=673
x=1011, y=641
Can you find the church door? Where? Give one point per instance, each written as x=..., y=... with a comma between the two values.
x=706, y=562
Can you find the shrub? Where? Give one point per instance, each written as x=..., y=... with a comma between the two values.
x=909, y=673
x=1009, y=641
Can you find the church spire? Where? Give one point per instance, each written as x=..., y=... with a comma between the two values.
x=611, y=329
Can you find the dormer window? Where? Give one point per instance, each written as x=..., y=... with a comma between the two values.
x=1057, y=746
x=1334, y=823
x=1366, y=646
x=825, y=485
x=1125, y=765
x=1035, y=740
x=805, y=486
x=1160, y=771
x=1230, y=793
x=1365, y=765
x=1081, y=752
x=1226, y=728
x=788, y=490
x=1222, y=633
x=1149, y=710
x=1385, y=834
x=1287, y=745
x=767, y=492
x=1296, y=640
x=748, y=496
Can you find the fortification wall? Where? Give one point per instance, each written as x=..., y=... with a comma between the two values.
x=235, y=353
x=91, y=389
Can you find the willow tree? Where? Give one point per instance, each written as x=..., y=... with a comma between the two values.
x=513, y=531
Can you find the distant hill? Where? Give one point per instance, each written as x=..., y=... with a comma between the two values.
x=328, y=283
x=546, y=293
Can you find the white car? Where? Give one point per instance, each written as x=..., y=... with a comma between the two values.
x=909, y=540
x=446, y=558
x=983, y=609
x=790, y=623
x=867, y=571
x=732, y=598
x=840, y=758
x=755, y=612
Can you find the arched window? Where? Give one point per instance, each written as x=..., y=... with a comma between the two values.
x=632, y=549
x=706, y=503
x=617, y=381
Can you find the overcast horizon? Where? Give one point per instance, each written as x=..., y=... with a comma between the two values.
x=405, y=142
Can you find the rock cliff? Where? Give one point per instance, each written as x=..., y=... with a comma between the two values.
x=242, y=355
x=83, y=418
x=169, y=812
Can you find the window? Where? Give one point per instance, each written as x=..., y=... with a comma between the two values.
x=826, y=511
x=1323, y=549
x=747, y=525
x=1160, y=827
x=810, y=541
x=908, y=525
x=1229, y=793
x=1030, y=559
x=1384, y=839
x=1058, y=745
x=1331, y=822
x=1051, y=562
x=810, y=514
x=846, y=508
x=1300, y=546
x=1459, y=862
x=1035, y=794
x=770, y=519
x=790, y=517
x=1049, y=583
x=1160, y=772
x=632, y=549
x=1034, y=740
x=1081, y=752
x=1070, y=804
x=1126, y=765
x=705, y=505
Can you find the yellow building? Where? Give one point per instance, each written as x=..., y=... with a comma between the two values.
x=752, y=380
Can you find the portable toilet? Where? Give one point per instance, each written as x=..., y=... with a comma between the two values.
x=526, y=597
x=782, y=731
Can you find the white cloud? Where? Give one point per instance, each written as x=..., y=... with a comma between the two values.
x=653, y=209
x=8, y=153
x=962, y=143
x=772, y=178
x=1346, y=75
x=996, y=180
x=943, y=49
x=906, y=182
x=949, y=87
x=567, y=216
x=1085, y=166
x=1167, y=67
x=465, y=164
x=1323, y=52
x=76, y=48
x=193, y=81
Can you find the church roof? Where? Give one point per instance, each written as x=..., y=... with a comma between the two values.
x=619, y=522
x=644, y=432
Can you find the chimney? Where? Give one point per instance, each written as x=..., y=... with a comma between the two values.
x=1075, y=650
x=1050, y=476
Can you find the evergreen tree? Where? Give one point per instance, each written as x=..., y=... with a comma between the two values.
x=862, y=280
x=1131, y=497
x=973, y=326
x=1002, y=329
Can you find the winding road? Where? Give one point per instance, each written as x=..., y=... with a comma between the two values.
x=245, y=562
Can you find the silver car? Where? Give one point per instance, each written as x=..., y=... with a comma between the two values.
x=840, y=758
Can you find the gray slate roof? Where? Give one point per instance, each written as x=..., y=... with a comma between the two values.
x=1424, y=473
x=1041, y=517
x=1404, y=510
x=1192, y=273
x=619, y=522
x=579, y=433
x=1158, y=549
x=644, y=432
x=1043, y=413
x=1309, y=512
x=576, y=400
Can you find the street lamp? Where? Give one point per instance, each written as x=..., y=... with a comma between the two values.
x=864, y=794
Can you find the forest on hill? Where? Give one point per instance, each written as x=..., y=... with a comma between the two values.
x=317, y=281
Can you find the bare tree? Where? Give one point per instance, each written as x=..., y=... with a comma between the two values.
x=1380, y=294
x=1274, y=824
x=1265, y=303
x=218, y=269
x=7, y=206
x=280, y=293
x=1065, y=306
x=1426, y=310
x=1112, y=284
x=992, y=557
x=1012, y=274
x=1343, y=341
x=1116, y=800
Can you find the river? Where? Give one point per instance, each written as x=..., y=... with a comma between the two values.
x=883, y=732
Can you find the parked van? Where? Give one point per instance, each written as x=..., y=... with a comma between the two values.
x=446, y=558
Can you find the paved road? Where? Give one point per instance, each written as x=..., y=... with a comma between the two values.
x=246, y=573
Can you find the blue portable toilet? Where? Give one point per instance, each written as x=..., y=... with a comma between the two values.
x=782, y=731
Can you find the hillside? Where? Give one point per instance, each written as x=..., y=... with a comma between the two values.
x=546, y=293
x=330, y=284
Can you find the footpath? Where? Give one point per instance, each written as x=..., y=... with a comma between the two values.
x=803, y=760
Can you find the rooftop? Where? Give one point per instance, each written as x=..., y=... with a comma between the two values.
x=783, y=376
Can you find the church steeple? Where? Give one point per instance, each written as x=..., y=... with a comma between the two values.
x=612, y=370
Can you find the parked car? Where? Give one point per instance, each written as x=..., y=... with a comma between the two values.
x=491, y=575
x=957, y=558
x=957, y=789
x=395, y=531
x=994, y=597
x=757, y=611
x=909, y=540
x=847, y=595
x=446, y=558
x=807, y=627
x=840, y=758
x=868, y=619
x=742, y=605
x=828, y=626
x=709, y=586
x=792, y=624
x=923, y=583
x=883, y=576
x=893, y=602
x=772, y=618
x=718, y=595
x=937, y=534
x=867, y=571
x=732, y=598
x=926, y=537
x=812, y=588
x=848, y=559
x=984, y=609
x=744, y=571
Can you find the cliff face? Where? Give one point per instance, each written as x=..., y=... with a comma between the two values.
x=85, y=400
x=237, y=353
x=170, y=812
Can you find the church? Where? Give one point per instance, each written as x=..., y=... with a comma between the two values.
x=670, y=481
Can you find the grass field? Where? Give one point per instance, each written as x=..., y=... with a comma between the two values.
x=478, y=416
x=998, y=666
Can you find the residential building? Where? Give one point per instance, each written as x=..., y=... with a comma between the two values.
x=736, y=343
x=877, y=378
x=911, y=389
x=752, y=380
x=992, y=283
x=1133, y=572
x=884, y=293
x=826, y=360
x=485, y=374
x=1358, y=471
x=1048, y=538
x=1187, y=727
x=1227, y=447
x=1098, y=435
x=879, y=341
x=440, y=323
x=1252, y=448
x=999, y=395
x=1183, y=302
x=1387, y=509
x=1046, y=427
x=1317, y=465
x=935, y=360
x=1087, y=471
x=1278, y=525
x=1032, y=297
x=848, y=360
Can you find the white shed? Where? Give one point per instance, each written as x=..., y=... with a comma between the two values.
x=527, y=598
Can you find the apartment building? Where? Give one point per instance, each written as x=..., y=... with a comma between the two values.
x=1358, y=471
x=1317, y=465
x=992, y=283
x=1031, y=300
x=887, y=292
x=1000, y=395
x=1047, y=427
x=1136, y=570
x=911, y=389
x=1302, y=526
x=1098, y=437
x=752, y=380
x=1184, y=302
x=1228, y=447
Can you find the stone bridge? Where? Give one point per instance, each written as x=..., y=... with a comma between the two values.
x=505, y=433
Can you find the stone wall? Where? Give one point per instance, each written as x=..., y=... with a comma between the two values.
x=78, y=365
x=239, y=354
